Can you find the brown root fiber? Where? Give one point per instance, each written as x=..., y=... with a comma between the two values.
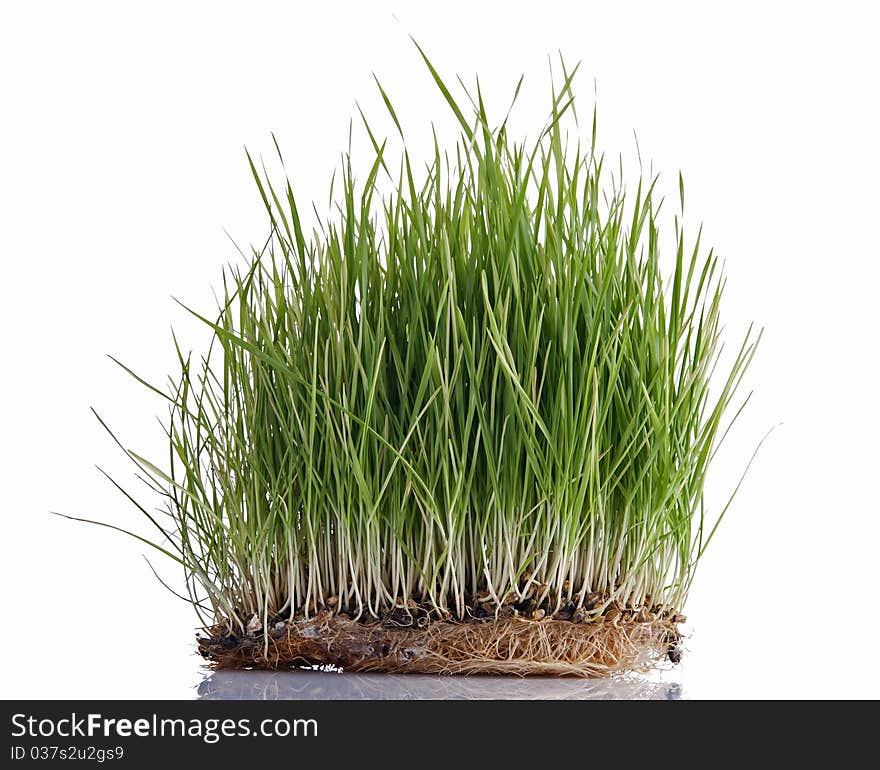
x=508, y=645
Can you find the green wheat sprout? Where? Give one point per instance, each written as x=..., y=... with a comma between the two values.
x=467, y=381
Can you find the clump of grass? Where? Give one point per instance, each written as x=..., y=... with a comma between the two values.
x=476, y=386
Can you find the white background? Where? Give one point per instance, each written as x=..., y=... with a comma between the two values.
x=122, y=129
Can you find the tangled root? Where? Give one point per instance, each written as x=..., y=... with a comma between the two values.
x=511, y=645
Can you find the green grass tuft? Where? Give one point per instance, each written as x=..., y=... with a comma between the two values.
x=475, y=383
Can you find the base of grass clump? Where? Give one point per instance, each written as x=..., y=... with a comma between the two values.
x=407, y=641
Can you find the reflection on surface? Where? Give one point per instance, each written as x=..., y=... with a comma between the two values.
x=321, y=685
